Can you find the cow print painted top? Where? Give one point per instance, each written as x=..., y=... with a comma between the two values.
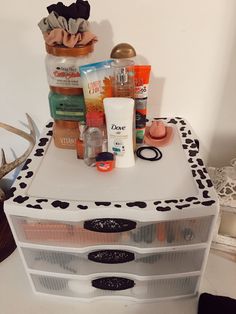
x=205, y=198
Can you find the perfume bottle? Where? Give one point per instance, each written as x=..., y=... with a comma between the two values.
x=123, y=70
x=123, y=78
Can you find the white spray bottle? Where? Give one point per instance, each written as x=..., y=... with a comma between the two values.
x=119, y=120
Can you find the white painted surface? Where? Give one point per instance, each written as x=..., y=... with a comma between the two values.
x=190, y=45
x=169, y=178
x=17, y=296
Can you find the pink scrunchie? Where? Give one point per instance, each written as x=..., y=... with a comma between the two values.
x=59, y=36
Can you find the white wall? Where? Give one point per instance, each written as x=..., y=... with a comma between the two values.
x=190, y=45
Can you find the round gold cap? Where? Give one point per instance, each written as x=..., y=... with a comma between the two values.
x=123, y=50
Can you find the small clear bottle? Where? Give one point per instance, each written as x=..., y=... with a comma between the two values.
x=94, y=137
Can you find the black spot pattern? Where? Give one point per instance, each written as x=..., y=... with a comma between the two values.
x=208, y=203
x=39, y=152
x=173, y=121
x=29, y=174
x=190, y=199
x=201, y=174
x=200, y=185
x=182, y=206
x=209, y=183
x=10, y=193
x=200, y=162
x=194, y=173
x=49, y=125
x=43, y=141
x=60, y=204
x=37, y=206
x=103, y=203
x=193, y=153
x=41, y=200
x=163, y=209
x=193, y=145
x=188, y=141
x=171, y=201
x=25, y=167
x=82, y=207
x=138, y=204
x=205, y=194
x=20, y=199
x=23, y=185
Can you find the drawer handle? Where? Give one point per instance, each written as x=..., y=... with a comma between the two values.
x=109, y=225
x=113, y=283
x=111, y=256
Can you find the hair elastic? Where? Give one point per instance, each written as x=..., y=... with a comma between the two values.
x=158, y=153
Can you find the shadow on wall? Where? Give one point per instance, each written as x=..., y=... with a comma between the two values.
x=223, y=146
x=103, y=48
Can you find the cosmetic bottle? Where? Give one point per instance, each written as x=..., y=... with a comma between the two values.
x=62, y=66
x=65, y=133
x=94, y=137
x=119, y=114
x=123, y=70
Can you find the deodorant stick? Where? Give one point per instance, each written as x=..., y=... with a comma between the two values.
x=119, y=114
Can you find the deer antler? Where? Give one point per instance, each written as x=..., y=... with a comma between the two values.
x=7, y=167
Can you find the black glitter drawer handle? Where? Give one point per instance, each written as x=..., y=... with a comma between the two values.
x=111, y=256
x=113, y=283
x=109, y=225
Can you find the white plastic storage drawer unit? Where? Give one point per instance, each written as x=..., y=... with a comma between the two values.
x=141, y=233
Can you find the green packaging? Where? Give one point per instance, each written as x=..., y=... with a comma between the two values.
x=64, y=107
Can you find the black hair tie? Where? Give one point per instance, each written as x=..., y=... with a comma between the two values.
x=158, y=153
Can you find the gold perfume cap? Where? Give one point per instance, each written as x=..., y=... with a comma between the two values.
x=122, y=51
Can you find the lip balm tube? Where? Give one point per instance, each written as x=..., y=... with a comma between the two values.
x=141, y=80
x=119, y=113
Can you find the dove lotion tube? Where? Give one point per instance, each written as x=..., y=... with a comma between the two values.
x=119, y=114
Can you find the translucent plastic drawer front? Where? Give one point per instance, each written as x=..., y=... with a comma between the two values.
x=122, y=261
x=115, y=287
x=113, y=231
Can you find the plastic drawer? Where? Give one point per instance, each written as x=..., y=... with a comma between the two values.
x=99, y=287
x=116, y=260
x=113, y=231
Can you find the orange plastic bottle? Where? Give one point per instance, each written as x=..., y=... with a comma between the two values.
x=65, y=133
